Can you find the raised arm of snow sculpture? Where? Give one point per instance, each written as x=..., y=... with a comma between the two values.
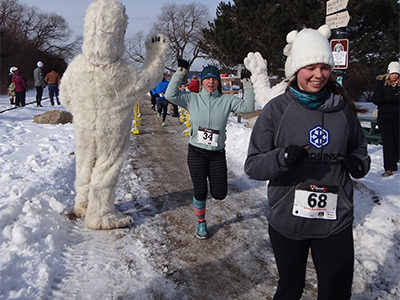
x=263, y=92
x=99, y=88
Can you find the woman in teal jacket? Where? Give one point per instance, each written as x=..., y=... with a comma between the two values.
x=209, y=111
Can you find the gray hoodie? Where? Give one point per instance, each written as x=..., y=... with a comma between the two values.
x=38, y=77
x=332, y=131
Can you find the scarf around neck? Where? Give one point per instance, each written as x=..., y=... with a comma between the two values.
x=310, y=100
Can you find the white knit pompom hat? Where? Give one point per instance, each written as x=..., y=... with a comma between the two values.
x=307, y=47
x=394, y=67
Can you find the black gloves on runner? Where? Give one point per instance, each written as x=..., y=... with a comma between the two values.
x=354, y=166
x=182, y=63
x=244, y=73
x=294, y=155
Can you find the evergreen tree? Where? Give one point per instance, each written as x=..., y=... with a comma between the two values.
x=254, y=25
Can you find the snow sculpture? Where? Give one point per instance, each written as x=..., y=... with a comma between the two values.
x=263, y=92
x=99, y=88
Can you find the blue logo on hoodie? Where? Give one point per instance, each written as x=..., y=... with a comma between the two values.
x=318, y=137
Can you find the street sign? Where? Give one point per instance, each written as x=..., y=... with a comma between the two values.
x=333, y=6
x=340, y=51
x=338, y=20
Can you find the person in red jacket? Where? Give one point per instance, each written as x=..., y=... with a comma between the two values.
x=20, y=88
x=194, y=85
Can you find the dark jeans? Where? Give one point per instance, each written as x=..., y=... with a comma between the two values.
x=39, y=94
x=390, y=133
x=205, y=164
x=19, y=98
x=333, y=258
x=162, y=107
x=53, y=91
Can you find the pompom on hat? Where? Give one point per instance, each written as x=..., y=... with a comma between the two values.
x=394, y=67
x=307, y=47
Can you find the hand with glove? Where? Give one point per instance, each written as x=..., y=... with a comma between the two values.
x=353, y=165
x=182, y=63
x=294, y=155
x=245, y=74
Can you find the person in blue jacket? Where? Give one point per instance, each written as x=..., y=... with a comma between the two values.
x=209, y=111
x=162, y=103
x=307, y=142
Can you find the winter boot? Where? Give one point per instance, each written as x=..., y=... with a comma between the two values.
x=387, y=174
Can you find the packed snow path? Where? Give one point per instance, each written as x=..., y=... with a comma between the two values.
x=159, y=253
x=47, y=255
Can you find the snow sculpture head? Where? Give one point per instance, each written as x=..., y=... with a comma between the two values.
x=104, y=31
x=307, y=47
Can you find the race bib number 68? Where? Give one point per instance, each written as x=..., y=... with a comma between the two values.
x=315, y=202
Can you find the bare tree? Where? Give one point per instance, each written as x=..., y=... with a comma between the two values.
x=135, y=48
x=24, y=29
x=183, y=24
x=47, y=32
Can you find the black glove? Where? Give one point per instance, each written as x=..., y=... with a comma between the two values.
x=294, y=155
x=354, y=166
x=183, y=64
x=244, y=73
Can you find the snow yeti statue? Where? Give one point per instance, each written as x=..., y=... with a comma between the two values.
x=99, y=88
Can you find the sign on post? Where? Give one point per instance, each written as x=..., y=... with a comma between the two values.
x=333, y=6
x=338, y=20
x=340, y=51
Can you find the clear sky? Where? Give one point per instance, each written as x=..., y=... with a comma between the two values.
x=142, y=14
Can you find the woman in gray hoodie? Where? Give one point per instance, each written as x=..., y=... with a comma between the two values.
x=307, y=142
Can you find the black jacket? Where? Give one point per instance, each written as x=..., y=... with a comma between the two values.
x=387, y=98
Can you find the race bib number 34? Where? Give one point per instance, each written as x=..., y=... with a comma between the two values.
x=315, y=202
x=207, y=136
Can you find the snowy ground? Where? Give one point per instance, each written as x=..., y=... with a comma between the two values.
x=41, y=247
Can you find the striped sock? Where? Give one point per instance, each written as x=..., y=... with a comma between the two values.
x=199, y=209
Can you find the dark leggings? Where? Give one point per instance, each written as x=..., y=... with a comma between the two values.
x=39, y=94
x=390, y=132
x=162, y=107
x=333, y=258
x=205, y=164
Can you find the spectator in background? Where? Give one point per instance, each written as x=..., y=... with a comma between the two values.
x=53, y=81
x=194, y=85
x=20, y=88
x=162, y=103
x=387, y=98
x=11, y=87
x=38, y=78
x=153, y=99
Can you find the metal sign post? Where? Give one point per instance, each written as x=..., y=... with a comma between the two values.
x=337, y=17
